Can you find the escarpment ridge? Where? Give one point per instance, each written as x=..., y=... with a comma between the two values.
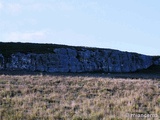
x=62, y=58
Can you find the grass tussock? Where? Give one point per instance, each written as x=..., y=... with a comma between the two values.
x=45, y=97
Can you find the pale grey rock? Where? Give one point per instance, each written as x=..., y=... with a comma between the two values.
x=20, y=61
x=114, y=62
x=79, y=60
x=124, y=62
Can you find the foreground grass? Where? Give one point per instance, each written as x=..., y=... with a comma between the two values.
x=46, y=97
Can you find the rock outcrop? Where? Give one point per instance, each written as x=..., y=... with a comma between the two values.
x=72, y=59
x=157, y=61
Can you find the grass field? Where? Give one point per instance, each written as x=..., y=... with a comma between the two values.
x=76, y=97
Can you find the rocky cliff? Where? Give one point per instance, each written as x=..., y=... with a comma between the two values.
x=60, y=58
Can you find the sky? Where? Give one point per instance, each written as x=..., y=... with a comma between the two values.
x=126, y=25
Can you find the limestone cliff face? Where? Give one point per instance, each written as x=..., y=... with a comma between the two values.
x=78, y=60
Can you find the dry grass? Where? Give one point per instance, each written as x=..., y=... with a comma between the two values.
x=46, y=97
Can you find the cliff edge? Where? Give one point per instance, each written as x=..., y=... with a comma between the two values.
x=61, y=58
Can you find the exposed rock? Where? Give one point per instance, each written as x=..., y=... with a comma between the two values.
x=69, y=59
x=157, y=62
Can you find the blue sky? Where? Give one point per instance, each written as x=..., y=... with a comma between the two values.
x=127, y=25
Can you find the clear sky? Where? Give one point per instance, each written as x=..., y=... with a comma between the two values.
x=127, y=25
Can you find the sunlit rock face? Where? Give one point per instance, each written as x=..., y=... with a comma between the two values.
x=78, y=60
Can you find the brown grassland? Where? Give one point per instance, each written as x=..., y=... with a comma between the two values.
x=67, y=97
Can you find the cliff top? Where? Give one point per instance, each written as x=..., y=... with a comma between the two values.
x=8, y=48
